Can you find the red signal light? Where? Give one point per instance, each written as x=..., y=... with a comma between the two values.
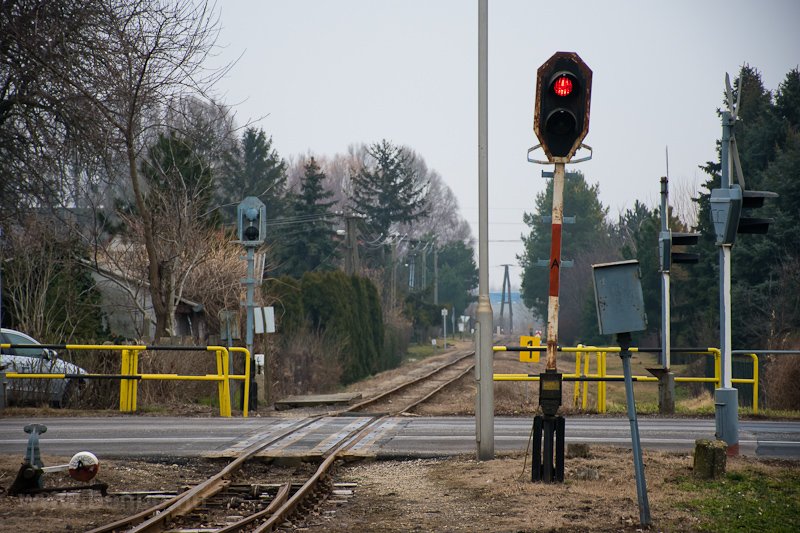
x=562, y=86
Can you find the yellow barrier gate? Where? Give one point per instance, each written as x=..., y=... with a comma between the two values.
x=582, y=376
x=129, y=374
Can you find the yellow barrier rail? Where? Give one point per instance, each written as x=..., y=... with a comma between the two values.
x=129, y=374
x=582, y=376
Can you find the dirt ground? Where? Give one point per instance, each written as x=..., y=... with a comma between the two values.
x=452, y=494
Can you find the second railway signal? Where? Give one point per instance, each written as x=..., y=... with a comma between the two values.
x=563, y=95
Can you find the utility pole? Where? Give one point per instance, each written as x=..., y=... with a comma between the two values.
x=424, y=270
x=507, y=282
x=484, y=408
x=351, y=263
x=435, y=275
x=412, y=267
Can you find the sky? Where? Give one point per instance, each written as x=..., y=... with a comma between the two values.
x=320, y=75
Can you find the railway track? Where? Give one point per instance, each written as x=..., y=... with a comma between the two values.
x=406, y=396
x=224, y=504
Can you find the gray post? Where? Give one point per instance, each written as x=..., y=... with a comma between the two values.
x=726, y=398
x=484, y=408
x=444, y=327
x=624, y=340
x=256, y=393
x=666, y=378
x=435, y=275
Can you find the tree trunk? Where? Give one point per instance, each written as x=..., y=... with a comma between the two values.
x=161, y=307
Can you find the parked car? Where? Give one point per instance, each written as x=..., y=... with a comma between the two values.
x=57, y=392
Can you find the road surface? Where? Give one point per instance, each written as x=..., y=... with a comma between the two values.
x=396, y=436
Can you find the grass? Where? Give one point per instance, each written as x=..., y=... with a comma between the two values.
x=420, y=351
x=748, y=500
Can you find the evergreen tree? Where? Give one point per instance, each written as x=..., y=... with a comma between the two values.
x=388, y=190
x=763, y=266
x=638, y=230
x=176, y=176
x=587, y=241
x=458, y=275
x=310, y=240
x=253, y=168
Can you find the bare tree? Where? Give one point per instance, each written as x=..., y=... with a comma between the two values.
x=138, y=57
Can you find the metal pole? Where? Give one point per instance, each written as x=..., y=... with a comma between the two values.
x=555, y=266
x=638, y=466
x=726, y=398
x=724, y=260
x=484, y=412
x=665, y=308
x=435, y=275
x=666, y=379
x=444, y=328
x=249, y=303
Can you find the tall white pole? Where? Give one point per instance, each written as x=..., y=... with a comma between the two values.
x=484, y=403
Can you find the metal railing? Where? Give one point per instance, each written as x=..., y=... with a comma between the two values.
x=583, y=377
x=130, y=376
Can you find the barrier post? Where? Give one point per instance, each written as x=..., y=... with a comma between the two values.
x=755, y=383
x=123, y=383
x=577, y=388
x=225, y=389
x=601, y=387
x=134, y=386
x=220, y=387
x=585, y=383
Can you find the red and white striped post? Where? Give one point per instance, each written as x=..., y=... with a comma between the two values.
x=555, y=266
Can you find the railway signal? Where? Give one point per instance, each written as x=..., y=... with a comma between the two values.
x=727, y=204
x=563, y=95
x=252, y=221
x=251, y=218
x=667, y=239
x=560, y=121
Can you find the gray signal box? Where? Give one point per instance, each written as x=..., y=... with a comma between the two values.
x=618, y=297
x=726, y=208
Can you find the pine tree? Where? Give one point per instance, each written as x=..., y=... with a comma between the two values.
x=587, y=241
x=253, y=168
x=389, y=190
x=310, y=240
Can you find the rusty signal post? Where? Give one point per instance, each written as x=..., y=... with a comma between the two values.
x=561, y=122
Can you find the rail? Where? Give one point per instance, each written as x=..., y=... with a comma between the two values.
x=130, y=376
x=406, y=385
x=583, y=377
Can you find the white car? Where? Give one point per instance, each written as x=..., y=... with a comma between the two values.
x=57, y=392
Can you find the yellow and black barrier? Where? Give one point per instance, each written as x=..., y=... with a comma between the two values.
x=582, y=376
x=130, y=377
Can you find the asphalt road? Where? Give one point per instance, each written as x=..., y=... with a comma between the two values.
x=125, y=436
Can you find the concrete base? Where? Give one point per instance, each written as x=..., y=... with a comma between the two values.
x=726, y=405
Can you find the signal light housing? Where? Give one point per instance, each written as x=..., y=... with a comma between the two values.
x=563, y=95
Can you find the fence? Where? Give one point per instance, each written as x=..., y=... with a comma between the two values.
x=130, y=377
x=583, y=377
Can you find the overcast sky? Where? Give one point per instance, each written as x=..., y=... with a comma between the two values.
x=327, y=74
